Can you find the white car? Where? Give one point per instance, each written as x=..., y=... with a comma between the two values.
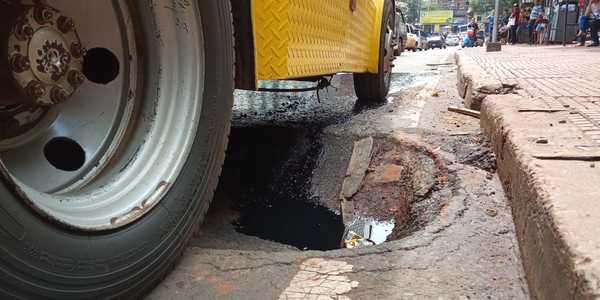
x=453, y=40
x=435, y=40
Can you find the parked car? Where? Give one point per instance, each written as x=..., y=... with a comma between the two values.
x=452, y=40
x=436, y=40
x=400, y=34
x=411, y=38
x=422, y=40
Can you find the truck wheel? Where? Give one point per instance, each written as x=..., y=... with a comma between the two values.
x=101, y=193
x=375, y=87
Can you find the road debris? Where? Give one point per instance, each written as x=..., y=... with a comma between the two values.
x=460, y=133
x=356, y=241
x=364, y=232
x=491, y=212
x=465, y=111
x=357, y=168
x=582, y=157
x=546, y=110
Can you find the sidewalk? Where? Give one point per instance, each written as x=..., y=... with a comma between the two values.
x=541, y=108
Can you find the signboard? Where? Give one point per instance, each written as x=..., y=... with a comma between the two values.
x=460, y=20
x=437, y=17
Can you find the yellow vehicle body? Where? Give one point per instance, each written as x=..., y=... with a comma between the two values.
x=304, y=38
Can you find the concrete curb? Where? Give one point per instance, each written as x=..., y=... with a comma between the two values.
x=473, y=83
x=554, y=202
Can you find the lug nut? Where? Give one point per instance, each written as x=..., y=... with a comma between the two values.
x=76, y=50
x=75, y=78
x=65, y=24
x=42, y=14
x=23, y=31
x=58, y=95
x=19, y=63
x=35, y=89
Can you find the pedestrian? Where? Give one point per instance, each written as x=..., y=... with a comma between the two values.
x=489, y=26
x=503, y=34
x=513, y=23
x=583, y=24
x=536, y=10
x=592, y=14
x=540, y=27
x=473, y=25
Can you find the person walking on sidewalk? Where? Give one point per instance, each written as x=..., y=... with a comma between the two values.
x=513, y=23
x=489, y=26
x=536, y=11
x=540, y=28
x=583, y=24
x=593, y=17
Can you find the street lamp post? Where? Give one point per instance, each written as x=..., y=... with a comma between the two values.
x=495, y=45
x=495, y=28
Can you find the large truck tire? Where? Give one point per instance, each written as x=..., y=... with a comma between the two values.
x=375, y=87
x=100, y=202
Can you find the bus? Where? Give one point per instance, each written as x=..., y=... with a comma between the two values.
x=115, y=118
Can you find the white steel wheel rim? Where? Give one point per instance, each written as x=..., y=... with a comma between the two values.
x=138, y=129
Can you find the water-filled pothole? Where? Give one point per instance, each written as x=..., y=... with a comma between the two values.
x=269, y=168
x=268, y=175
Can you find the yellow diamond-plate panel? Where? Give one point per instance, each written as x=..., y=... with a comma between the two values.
x=300, y=38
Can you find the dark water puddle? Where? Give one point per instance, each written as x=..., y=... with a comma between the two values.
x=268, y=172
x=297, y=223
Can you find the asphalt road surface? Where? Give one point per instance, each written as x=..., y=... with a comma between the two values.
x=276, y=228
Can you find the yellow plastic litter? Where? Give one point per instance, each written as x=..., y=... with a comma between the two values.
x=356, y=241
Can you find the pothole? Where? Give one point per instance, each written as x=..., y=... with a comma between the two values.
x=268, y=175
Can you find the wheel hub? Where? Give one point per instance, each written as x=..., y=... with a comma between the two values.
x=45, y=56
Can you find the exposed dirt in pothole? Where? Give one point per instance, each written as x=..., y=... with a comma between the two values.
x=402, y=175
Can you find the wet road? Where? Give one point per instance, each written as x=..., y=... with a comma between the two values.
x=276, y=224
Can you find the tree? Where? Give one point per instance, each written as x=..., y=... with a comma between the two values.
x=480, y=7
x=485, y=7
x=411, y=9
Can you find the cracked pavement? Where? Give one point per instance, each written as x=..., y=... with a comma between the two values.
x=467, y=250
